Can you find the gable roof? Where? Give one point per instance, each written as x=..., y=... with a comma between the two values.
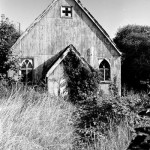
x=84, y=10
x=54, y=61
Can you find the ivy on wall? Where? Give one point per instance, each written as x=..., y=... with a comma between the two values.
x=83, y=86
x=93, y=115
x=83, y=80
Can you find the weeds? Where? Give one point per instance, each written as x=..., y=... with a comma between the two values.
x=31, y=120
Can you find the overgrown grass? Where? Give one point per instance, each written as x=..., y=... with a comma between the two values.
x=30, y=120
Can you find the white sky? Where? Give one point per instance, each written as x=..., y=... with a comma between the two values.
x=111, y=14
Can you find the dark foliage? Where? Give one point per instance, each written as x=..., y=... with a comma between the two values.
x=134, y=42
x=92, y=116
x=142, y=139
x=83, y=81
x=8, y=36
x=82, y=88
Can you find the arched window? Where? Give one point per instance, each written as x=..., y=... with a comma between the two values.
x=104, y=68
x=26, y=70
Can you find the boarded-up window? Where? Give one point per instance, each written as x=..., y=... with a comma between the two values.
x=104, y=68
x=26, y=70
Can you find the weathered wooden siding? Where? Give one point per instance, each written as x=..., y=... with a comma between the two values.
x=54, y=33
x=54, y=80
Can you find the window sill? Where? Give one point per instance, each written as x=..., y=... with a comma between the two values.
x=105, y=82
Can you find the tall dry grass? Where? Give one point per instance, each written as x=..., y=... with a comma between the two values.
x=30, y=120
x=115, y=140
x=33, y=121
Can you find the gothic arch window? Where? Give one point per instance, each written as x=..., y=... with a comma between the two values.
x=104, y=68
x=26, y=70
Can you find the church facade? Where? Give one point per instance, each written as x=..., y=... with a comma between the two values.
x=64, y=23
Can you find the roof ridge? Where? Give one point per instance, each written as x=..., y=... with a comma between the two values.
x=86, y=12
x=53, y=60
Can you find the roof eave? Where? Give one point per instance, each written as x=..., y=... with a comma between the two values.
x=34, y=23
x=83, y=8
x=63, y=55
x=95, y=22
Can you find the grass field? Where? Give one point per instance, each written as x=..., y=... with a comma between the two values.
x=33, y=121
x=29, y=120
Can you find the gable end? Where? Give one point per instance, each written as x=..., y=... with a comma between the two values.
x=82, y=8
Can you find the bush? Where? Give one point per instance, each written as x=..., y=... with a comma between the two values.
x=8, y=36
x=95, y=114
x=31, y=120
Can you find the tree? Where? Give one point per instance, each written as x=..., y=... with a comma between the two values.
x=8, y=36
x=134, y=42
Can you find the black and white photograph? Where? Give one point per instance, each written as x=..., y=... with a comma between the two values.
x=74, y=75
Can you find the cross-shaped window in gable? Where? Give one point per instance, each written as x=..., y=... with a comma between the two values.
x=66, y=11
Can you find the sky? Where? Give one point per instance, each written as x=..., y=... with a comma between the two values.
x=111, y=14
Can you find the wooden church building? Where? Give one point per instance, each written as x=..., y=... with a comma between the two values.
x=65, y=25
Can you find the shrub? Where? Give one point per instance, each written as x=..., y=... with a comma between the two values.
x=8, y=36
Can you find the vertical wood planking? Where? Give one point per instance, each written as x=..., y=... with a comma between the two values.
x=53, y=33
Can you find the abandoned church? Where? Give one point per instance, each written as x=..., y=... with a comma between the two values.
x=64, y=26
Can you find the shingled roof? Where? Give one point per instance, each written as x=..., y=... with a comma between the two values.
x=82, y=7
x=61, y=55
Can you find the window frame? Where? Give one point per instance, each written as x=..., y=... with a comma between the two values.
x=104, y=80
x=67, y=17
x=27, y=70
